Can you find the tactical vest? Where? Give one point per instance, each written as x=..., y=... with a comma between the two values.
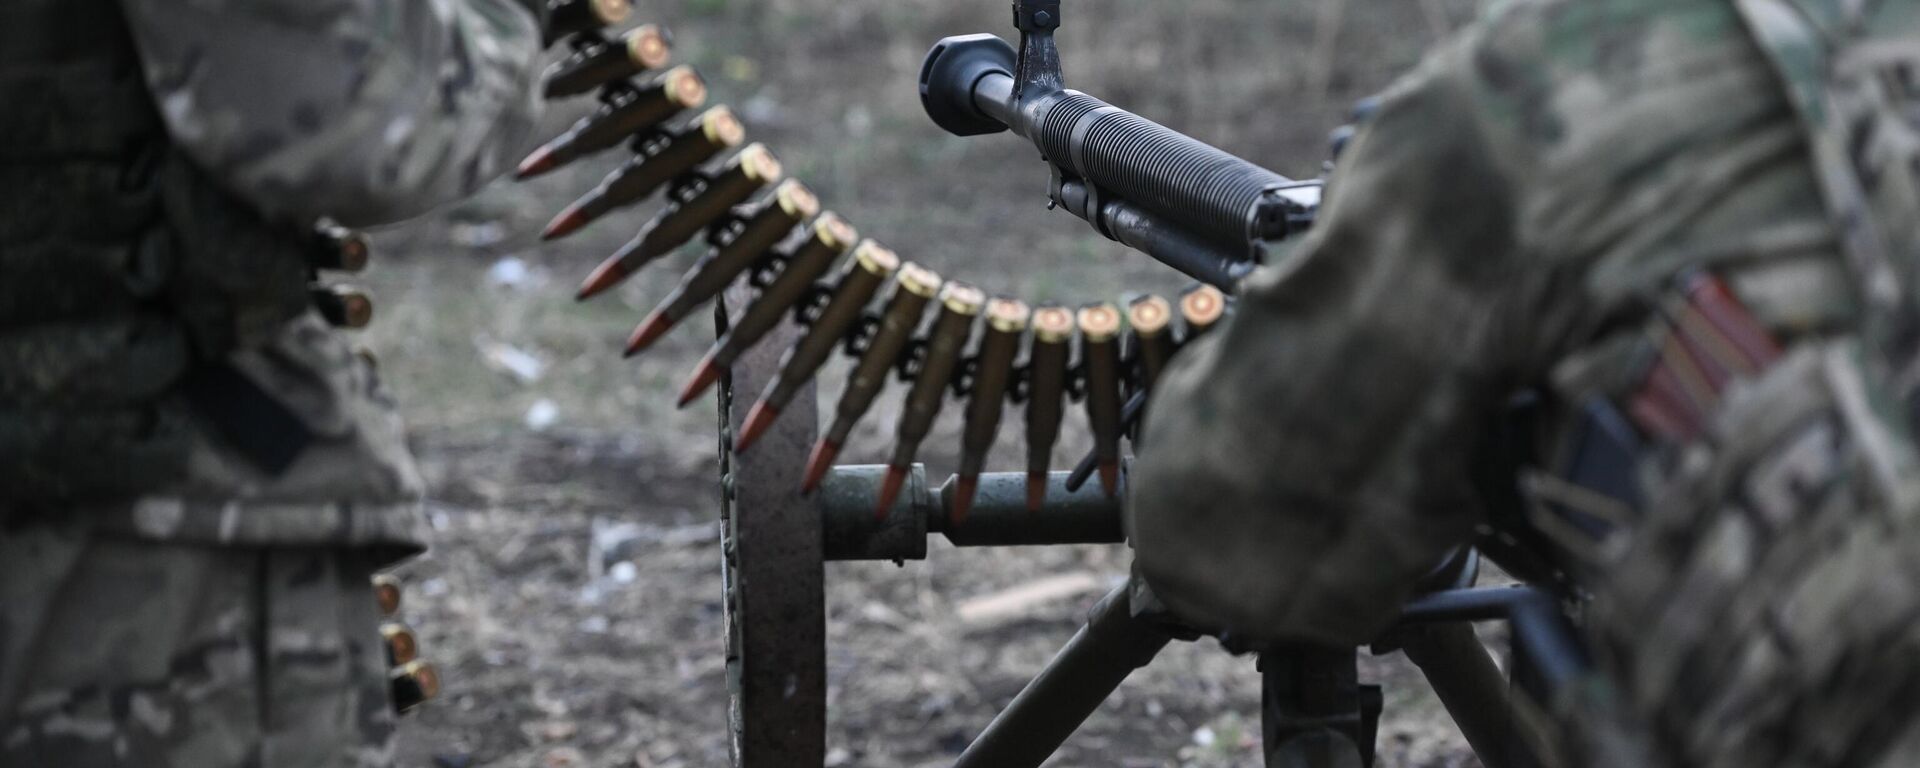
x=125, y=273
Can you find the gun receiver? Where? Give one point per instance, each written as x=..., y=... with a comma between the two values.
x=1187, y=203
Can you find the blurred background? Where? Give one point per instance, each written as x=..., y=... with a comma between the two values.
x=572, y=599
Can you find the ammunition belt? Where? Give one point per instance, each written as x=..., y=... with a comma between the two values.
x=785, y=246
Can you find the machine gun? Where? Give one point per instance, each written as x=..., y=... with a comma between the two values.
x=782, y=310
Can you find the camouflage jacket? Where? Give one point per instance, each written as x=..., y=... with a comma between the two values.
x=364, y=111
x=1509, y=218
x=274, y=113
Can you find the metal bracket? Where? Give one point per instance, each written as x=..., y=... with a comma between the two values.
x=1038, y=70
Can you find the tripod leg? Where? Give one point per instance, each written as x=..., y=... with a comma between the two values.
x=1100, y=656
x=1472, y=689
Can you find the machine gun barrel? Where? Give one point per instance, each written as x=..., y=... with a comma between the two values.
x=1176, y=198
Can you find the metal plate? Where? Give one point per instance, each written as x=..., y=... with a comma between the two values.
x=773, y=568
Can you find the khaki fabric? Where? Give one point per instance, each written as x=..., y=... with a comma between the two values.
x=117, y=652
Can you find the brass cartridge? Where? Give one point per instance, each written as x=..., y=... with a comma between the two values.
x=1006, y=323
x=830, y=237
x=642, y=49
x=960, y=305
x=914, y=287
x=1100, y=346
x=790, y=204
x=660, y=160
x=336, y=248
x=748, y=172
x=343, y=306
x=567, y=17
x=871, y=266
x=627, y=113
x=1046, y=394
x=412, y=684
x=1150, y=323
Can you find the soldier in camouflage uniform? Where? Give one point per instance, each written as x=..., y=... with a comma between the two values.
x=1689, y=228
x=197, y=476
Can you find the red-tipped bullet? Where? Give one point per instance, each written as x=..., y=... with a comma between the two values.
x=818, y=464
x=1036, y=490
x=568, y=222
x=1110, y=477
x=890, y=491
x=607, y=275
x=704, y=377
x=759, y=418
x=541, y=161
x=963, y=494
x=649, y=331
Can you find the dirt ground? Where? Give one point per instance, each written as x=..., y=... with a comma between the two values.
x=573, y=598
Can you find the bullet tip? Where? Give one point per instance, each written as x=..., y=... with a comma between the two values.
x=649, y=331
x=818, y=464
x=1036, y=490
x=539, y=162
x=607, y=275
x=759, y=418
x=963, y=494
x=703, y=377
x=568, y=222
x=890, y=491
x=1110, y=477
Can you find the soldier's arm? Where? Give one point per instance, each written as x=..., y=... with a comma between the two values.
x=1302, y=468
x=368, y=111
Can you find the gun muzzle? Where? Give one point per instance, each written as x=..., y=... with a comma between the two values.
x=1100, y=344
x=412, y=684
x=627, y=112
x=568, y=17
x=914, y=288
x=402, y=646
x=386, y=594
x=642, y=49
x=1046, y=395
x=754, y=168
x=662, y=158
x=790, y=204
x=336, y=248
x=343, y=306
x=830, y=237
x=871, y=266
x=960, y=305
x=1006, y=324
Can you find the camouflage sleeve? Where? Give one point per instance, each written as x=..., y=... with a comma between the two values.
x=369, y=111
x=1302, y=468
